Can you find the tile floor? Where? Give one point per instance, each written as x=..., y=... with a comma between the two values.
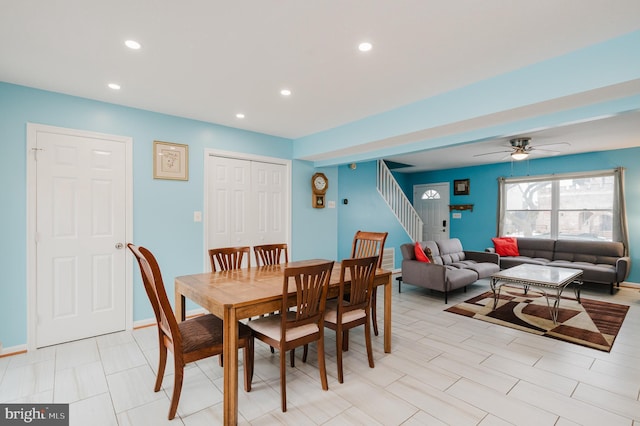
x=444, y=369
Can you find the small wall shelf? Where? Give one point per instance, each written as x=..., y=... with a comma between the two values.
x=460, y=207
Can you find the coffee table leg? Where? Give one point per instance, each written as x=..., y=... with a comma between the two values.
x=496, y=291
x=577, y=285
x=556, y=306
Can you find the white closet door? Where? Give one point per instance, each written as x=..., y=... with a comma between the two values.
x=269, y=189
x=230, y=203
x=247, y=202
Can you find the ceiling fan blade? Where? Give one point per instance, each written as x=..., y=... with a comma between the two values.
x=550, y=144
x=546, y=150
x=491, y=153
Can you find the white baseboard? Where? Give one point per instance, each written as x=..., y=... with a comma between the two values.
x=144, y=323
x=12, y=350
x=151, y=321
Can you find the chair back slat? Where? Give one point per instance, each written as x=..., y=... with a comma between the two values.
x=271, y=254
x=228, y=258
x=154, y=286
x=361, y=274
x=312, y=284
x=366, y=244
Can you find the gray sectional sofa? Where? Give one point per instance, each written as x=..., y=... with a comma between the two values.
x=601, y=261
x=451, y=267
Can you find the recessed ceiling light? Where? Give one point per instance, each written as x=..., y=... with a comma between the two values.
x=114, y=86
x=239, y=115
x=365, y=46
x=285, y=92
x=132, y=44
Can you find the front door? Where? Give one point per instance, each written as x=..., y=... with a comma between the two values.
x=431, y=201
x=80, y=233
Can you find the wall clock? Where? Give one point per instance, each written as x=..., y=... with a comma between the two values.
x=319, y=186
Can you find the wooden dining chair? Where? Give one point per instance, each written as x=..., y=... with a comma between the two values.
x=367, y=244
x=301, y=325
x=271, y=254
x=190, y=340
x=228, y=258
x=352, y=309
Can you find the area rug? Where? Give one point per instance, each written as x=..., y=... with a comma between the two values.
x=593, y=323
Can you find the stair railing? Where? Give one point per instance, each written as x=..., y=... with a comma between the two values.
x=398, y=202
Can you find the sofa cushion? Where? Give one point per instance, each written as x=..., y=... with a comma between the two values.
x=457, y=278
x=541, y=248
x=420, y=254
x=483, y=269
x=590, y=272
x=435, y=253
x=506, y=246
x=508, y=262
x=450, y=251
x=603, y=252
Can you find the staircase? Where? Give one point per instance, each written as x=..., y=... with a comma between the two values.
x=398, y=202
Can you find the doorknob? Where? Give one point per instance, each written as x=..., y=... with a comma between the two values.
x=119, y=246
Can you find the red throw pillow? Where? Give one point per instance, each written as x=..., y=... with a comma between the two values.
x=506, y=246
x=420, y=254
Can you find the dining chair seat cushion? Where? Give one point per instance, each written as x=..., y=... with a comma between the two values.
x=270, y=326
x=205, y=331
x=331, y=313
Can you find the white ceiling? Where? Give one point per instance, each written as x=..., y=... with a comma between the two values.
x=208, y=60
x=618, y=132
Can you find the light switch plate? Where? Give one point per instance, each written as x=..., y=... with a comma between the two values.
x=331, y=204
x=457, y=215
x=197, y=216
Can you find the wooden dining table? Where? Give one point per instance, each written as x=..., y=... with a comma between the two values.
x=245, y=293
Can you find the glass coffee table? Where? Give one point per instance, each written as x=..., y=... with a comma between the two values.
x=548, y=280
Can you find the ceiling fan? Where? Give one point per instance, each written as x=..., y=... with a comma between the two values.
x=521, y=148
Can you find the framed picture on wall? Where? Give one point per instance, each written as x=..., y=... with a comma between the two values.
x=461, y=187
x=170, y=161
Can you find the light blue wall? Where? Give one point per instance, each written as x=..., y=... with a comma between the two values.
x=314, y=229
x=366, y=210
x=178, y=247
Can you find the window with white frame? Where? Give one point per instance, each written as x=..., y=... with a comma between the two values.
x=571, y=206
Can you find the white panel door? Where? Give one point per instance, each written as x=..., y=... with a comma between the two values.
x=269, y=190
x=80, y=234
x=229, y=202
x=432, y=204
x=246, y=202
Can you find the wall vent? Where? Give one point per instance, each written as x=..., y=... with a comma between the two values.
x=389, y=259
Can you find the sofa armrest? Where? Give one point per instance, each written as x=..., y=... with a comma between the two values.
x=490, y=249
x=623, y=267
x=428, y=275
x=482, y=256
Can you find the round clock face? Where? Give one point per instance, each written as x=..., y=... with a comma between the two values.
x=320, y=183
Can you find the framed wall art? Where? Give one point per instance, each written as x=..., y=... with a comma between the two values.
x=170, y=161
x=461, y=187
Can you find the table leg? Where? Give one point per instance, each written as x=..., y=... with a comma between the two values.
x=387, y=316
x=230, y=356
x=180, y=306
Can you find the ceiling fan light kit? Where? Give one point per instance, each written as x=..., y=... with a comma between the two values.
x=519, y=155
